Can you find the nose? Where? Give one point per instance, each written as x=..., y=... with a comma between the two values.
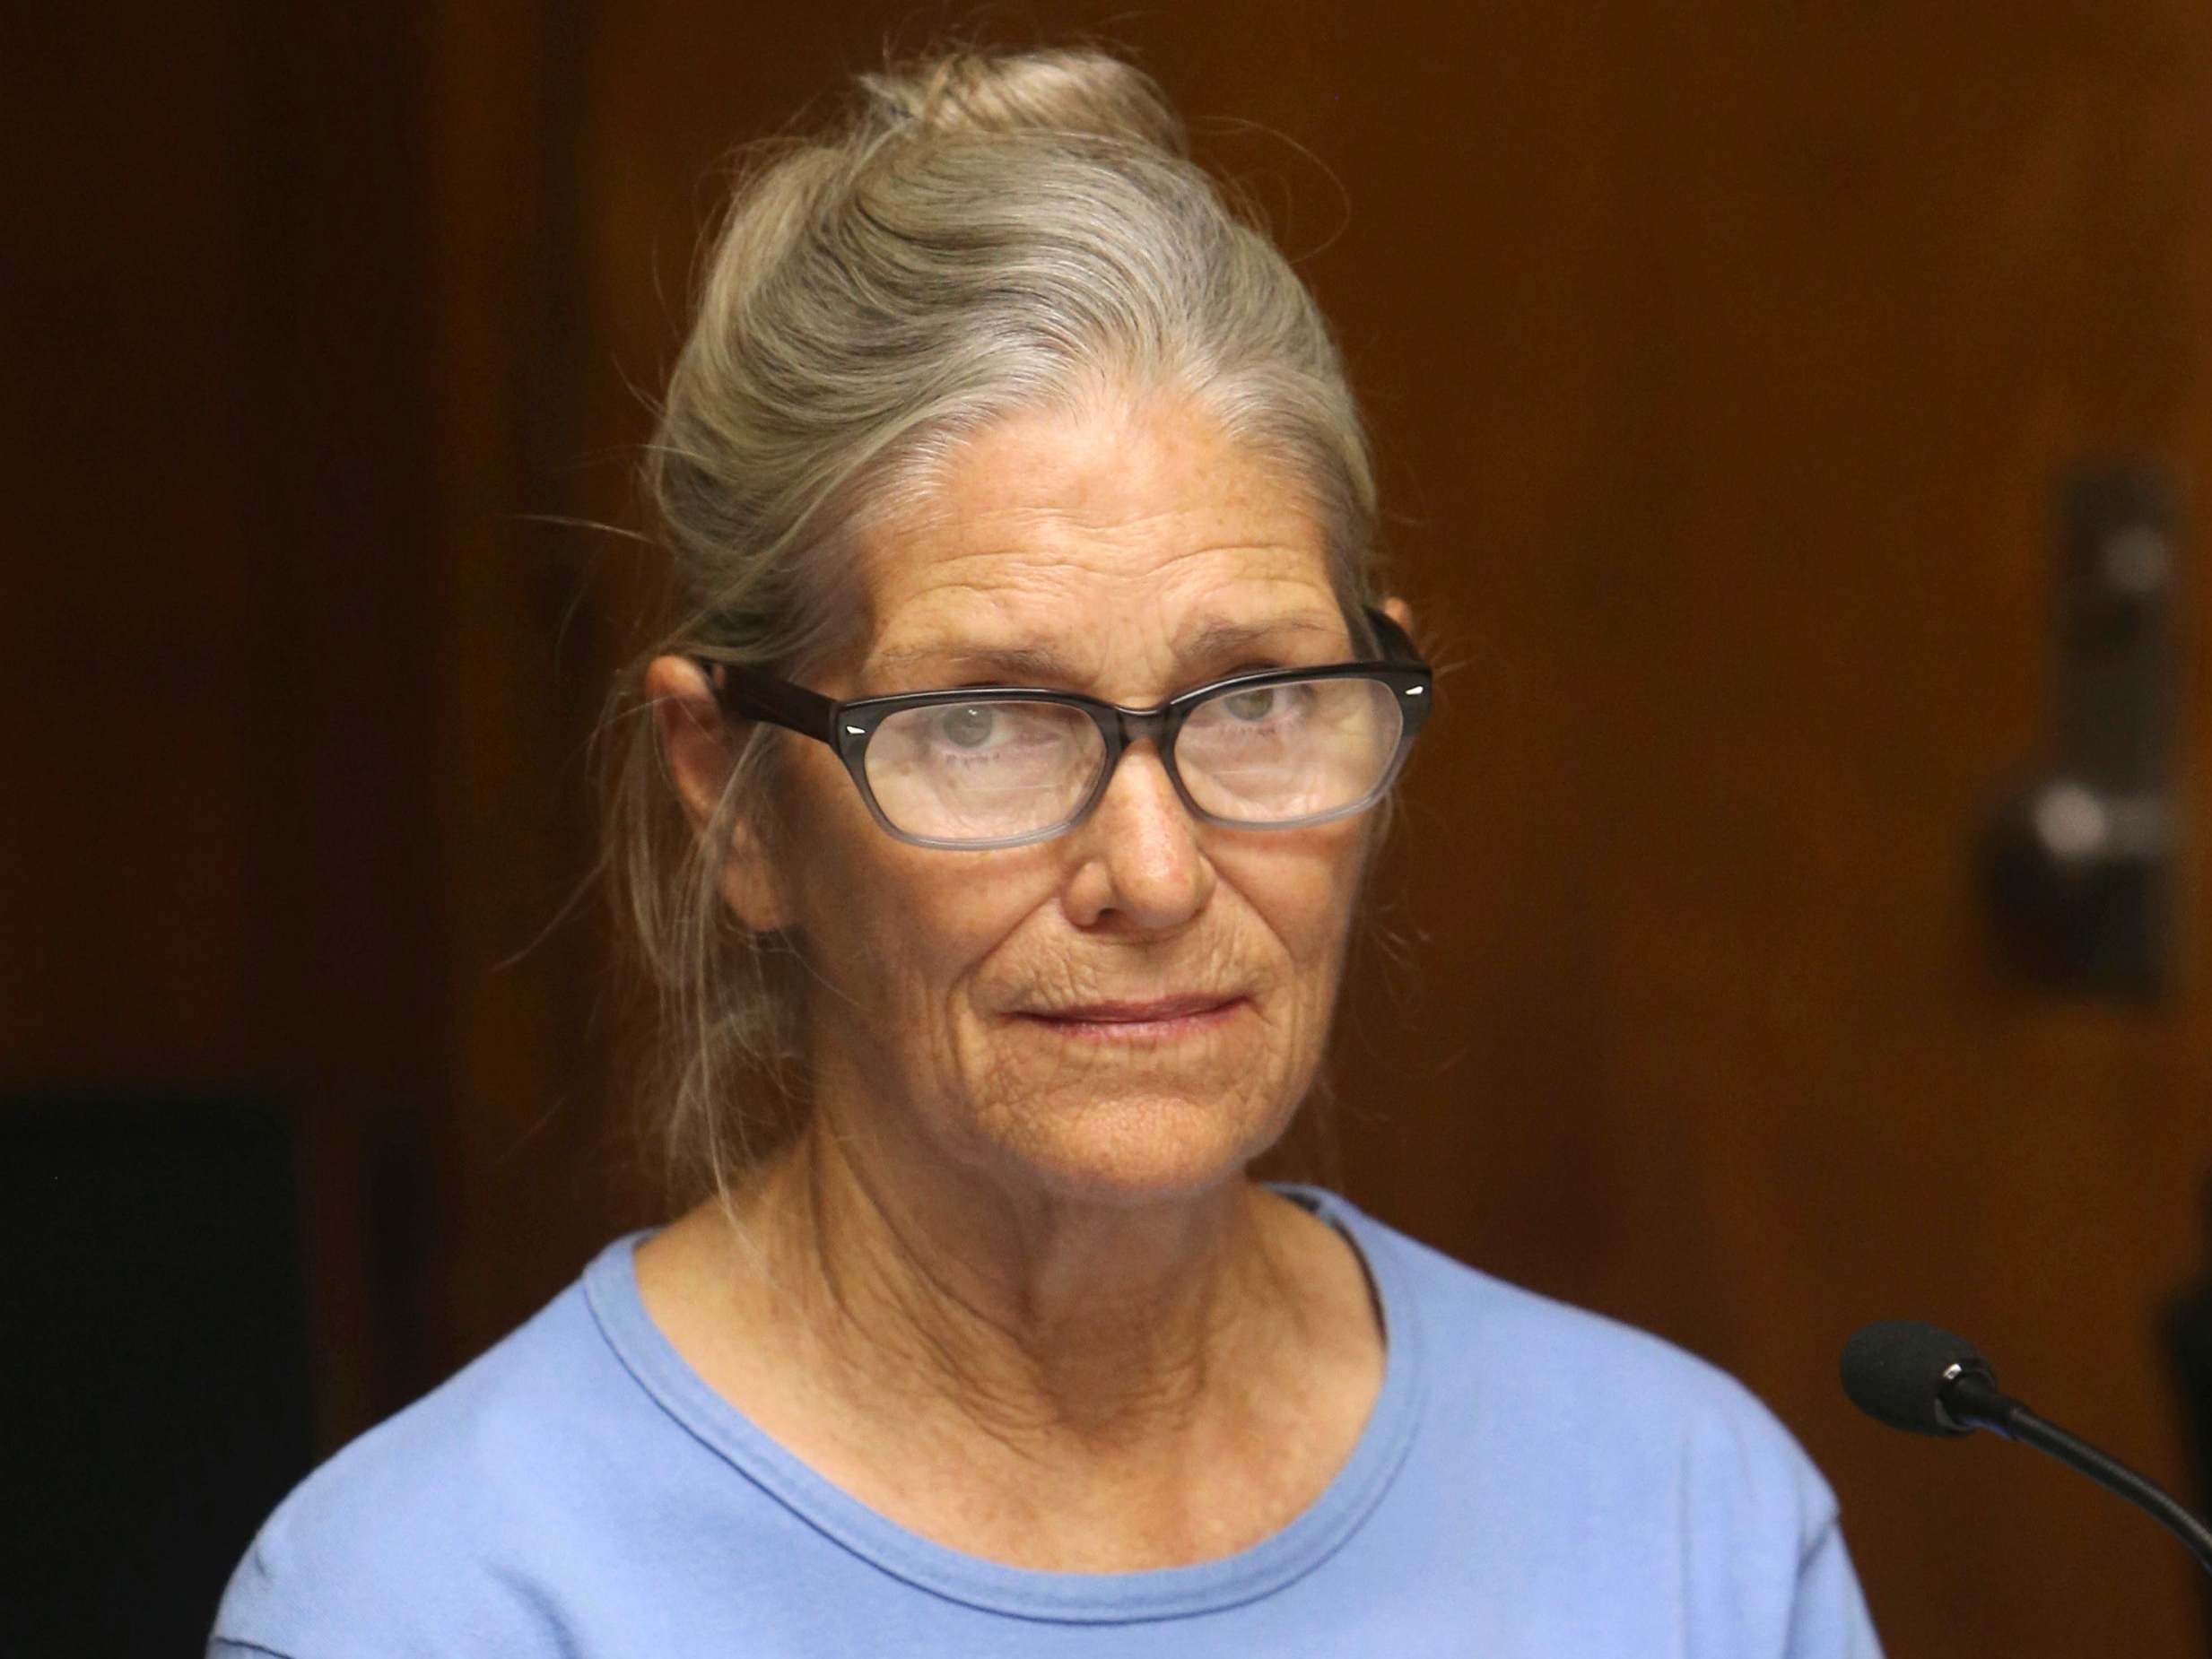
x=1139, y=860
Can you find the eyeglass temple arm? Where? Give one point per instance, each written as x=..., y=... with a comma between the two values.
x=1395, y=644
x=757, y=696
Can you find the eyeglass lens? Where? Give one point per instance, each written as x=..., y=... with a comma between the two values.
x=1267, y=755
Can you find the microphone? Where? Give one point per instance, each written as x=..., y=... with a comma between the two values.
x=1927, y=1381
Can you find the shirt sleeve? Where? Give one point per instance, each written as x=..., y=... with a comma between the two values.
x=1829, y=1618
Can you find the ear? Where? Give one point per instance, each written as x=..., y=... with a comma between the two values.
x=1400, y=612
x=701, y=751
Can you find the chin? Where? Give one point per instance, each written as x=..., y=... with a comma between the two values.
x=1141, y=1149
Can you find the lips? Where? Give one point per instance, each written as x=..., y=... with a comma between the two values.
x=1156, y=1011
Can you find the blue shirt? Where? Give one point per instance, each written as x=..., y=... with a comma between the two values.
x=1535, y=1483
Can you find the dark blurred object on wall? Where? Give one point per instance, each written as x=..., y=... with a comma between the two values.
x=2079, y=860
x=2188, y=1340
x=157, y=1311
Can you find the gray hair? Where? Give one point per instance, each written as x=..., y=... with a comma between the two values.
x=978, y=236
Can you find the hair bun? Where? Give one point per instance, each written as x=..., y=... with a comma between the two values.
x=1061, y=90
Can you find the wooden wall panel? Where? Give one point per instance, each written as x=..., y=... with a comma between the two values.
x=124, y=606
x=532, y=1169
x=1733, y=471
x=344, y=929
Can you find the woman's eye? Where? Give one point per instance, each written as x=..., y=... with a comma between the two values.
x=1255, y=705
x=968, y=727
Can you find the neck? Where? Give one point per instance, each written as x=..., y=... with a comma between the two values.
x=1065, y=1385
x=1044, y=1322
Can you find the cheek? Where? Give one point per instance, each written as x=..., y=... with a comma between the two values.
x=894, y=928
x=1302, y=886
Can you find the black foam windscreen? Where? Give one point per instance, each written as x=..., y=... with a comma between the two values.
x=1895, y=1371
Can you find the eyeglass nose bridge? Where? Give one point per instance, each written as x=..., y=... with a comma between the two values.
x=1135, y=726
x=1122, y=729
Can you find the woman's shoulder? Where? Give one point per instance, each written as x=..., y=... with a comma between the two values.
x=438, y=1502
x=1515, y=1367
x=1647, y=1488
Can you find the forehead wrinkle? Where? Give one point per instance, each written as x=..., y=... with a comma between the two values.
x=1000, y=577
x=1011, y=665
x=999, y=623
x=1011, y=560
x=1015, y=597
x=1093, y=543
x=1201, y=651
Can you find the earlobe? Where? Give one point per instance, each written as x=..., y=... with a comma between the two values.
x=700, y=752
x=749, y=884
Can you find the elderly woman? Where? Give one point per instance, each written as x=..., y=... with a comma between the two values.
x=1022, y=736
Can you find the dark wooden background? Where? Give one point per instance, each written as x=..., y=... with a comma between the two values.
x=1722, y=359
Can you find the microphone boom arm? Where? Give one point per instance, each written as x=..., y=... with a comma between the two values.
x=1971, y=1398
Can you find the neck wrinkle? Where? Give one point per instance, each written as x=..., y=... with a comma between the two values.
x=1041, y=1355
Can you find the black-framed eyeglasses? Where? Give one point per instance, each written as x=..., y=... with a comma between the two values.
x=1003, y=766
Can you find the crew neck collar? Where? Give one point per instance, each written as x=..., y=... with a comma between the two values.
x=611, y=1288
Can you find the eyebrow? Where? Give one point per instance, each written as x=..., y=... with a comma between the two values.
x=1030, y=664
x=1041, y=664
